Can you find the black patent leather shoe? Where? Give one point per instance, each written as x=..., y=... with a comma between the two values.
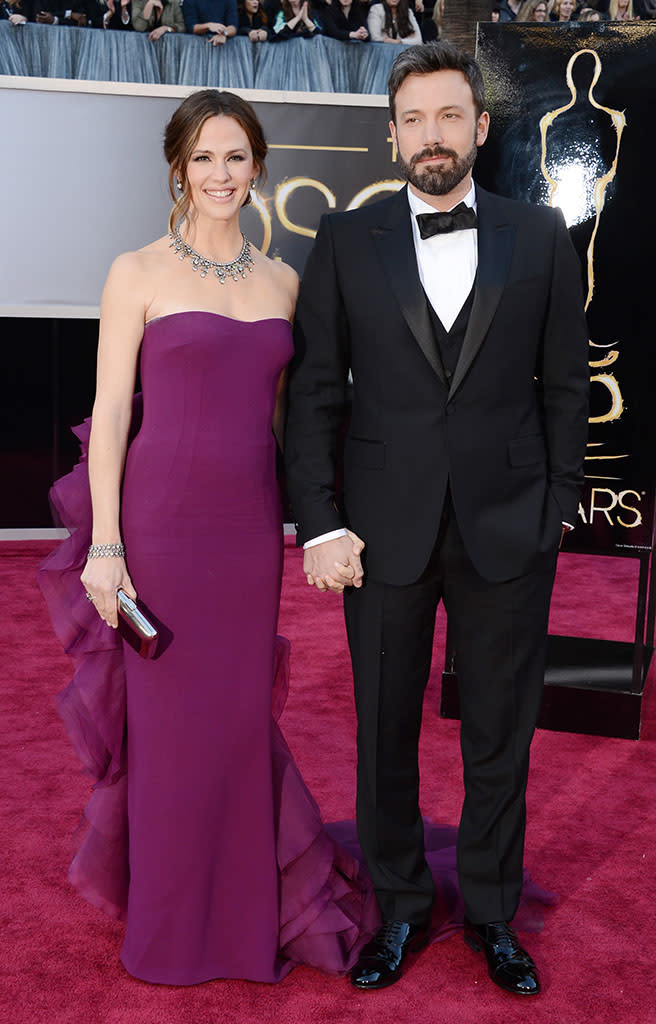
x=509, y=965
x=381, y=960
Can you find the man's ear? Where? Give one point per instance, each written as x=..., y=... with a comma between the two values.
x=482, y=128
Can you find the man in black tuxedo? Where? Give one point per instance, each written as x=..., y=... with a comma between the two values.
x=466, y=338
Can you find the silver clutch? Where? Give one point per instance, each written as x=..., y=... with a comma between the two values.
x=134, y=627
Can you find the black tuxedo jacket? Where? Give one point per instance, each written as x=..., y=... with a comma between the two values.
x=508, y=432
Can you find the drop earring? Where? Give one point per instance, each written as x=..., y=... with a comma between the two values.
x=178, y=184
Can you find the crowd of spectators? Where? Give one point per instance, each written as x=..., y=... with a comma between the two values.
x=571, y=10
x=400, y=22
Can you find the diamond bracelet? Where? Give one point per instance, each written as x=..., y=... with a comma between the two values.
x=106, y=551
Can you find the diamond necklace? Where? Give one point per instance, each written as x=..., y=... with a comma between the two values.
x=235, y=268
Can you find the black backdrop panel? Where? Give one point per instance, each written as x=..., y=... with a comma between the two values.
x=46, y=386
x=571, y=109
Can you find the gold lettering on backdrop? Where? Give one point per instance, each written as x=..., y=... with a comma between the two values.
x=616, y=402
x=608, y=360
x=630, y=508
x=604, y=501
x=391, y=185
x=286, y=189
x=601, y=184
x=604, y=509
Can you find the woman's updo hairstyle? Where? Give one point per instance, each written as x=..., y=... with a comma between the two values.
x=181, y=137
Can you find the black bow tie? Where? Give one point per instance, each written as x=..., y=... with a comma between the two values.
x=459, y=218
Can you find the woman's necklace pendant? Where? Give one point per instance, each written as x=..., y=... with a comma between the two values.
x=235, y=268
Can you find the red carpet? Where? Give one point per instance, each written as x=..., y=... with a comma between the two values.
x=591, y=837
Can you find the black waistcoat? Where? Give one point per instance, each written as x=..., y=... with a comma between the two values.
x=450, y=342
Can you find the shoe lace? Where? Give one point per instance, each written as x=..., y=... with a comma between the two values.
x=506, y=942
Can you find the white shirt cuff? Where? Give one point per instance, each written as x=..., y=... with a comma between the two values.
x=568, y=526
x=333, y=535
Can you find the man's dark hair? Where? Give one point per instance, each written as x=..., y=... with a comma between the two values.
x=424, y=59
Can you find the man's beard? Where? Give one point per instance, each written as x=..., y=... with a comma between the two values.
x=436, y=180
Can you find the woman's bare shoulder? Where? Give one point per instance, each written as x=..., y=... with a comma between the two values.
x=137, y=268
x=142, y=260
x=282, y=275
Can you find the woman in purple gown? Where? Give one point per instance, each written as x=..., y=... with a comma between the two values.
x=200, y=832
x=229, y=872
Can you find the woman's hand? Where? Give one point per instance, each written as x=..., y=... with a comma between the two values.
x=158, y=32
x=17, y=19
x=102, y=578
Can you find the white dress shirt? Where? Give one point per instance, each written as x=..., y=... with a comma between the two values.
x=447, y=263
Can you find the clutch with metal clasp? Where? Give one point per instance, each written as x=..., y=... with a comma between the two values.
x=134, y=627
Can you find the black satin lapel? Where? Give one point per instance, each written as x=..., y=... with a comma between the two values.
x=495, y=247
x=397, y=253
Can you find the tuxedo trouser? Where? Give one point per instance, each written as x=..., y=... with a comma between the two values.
x=499, y=632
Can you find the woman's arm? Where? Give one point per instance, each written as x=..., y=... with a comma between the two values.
x=376, y=23
x=122, y=313
x=142, y=11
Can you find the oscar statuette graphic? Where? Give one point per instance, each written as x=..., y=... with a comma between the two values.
x=578, y=181
x=570, y=128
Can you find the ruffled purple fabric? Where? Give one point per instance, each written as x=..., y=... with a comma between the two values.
x=93, y=705
x=327, y=906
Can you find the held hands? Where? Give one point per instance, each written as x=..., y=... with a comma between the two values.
x=102, y=577
x=359, y=33
x=335, y=564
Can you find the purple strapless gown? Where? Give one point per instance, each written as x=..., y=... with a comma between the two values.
x=200, y=832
